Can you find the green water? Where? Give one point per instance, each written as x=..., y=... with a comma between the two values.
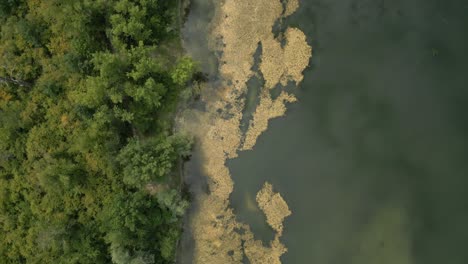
x=373, y=159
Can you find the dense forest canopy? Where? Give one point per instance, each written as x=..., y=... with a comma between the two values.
x=88, y=89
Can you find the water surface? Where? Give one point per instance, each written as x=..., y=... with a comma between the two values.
x=372, y=160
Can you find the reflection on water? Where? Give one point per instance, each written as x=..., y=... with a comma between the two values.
x=385, y=238
x=372, y=160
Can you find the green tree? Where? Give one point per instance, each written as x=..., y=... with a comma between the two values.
x=150, y=160
x=88, y=90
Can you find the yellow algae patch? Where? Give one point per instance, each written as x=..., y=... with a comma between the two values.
x=272, y=61
x=242, y=24
x=215, y=227
x=237, y=30
x=278, y=65
x=274, y=207
x=291, y=7
x=266, y=110
x=257, y=253
x=297, y=54
x=215, y=233
x=285, y=64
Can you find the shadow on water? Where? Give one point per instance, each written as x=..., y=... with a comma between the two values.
x=197, y=184
x=194, y=34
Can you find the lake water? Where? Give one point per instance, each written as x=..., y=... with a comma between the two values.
x=373, y=159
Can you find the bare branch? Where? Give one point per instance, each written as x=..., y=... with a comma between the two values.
x=14, y=81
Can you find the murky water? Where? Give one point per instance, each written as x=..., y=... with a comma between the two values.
x=372, y=160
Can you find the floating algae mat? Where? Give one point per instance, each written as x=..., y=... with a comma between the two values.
x=239, y=28
x=367, y=164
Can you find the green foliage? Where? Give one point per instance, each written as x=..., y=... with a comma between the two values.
x=136, y=86
x=122, y=256
x=8, y=6
x=146, y=161
x=146, y=21
x=183, y=71
x=87, y=96
x=168, y=243
x=172, y=201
